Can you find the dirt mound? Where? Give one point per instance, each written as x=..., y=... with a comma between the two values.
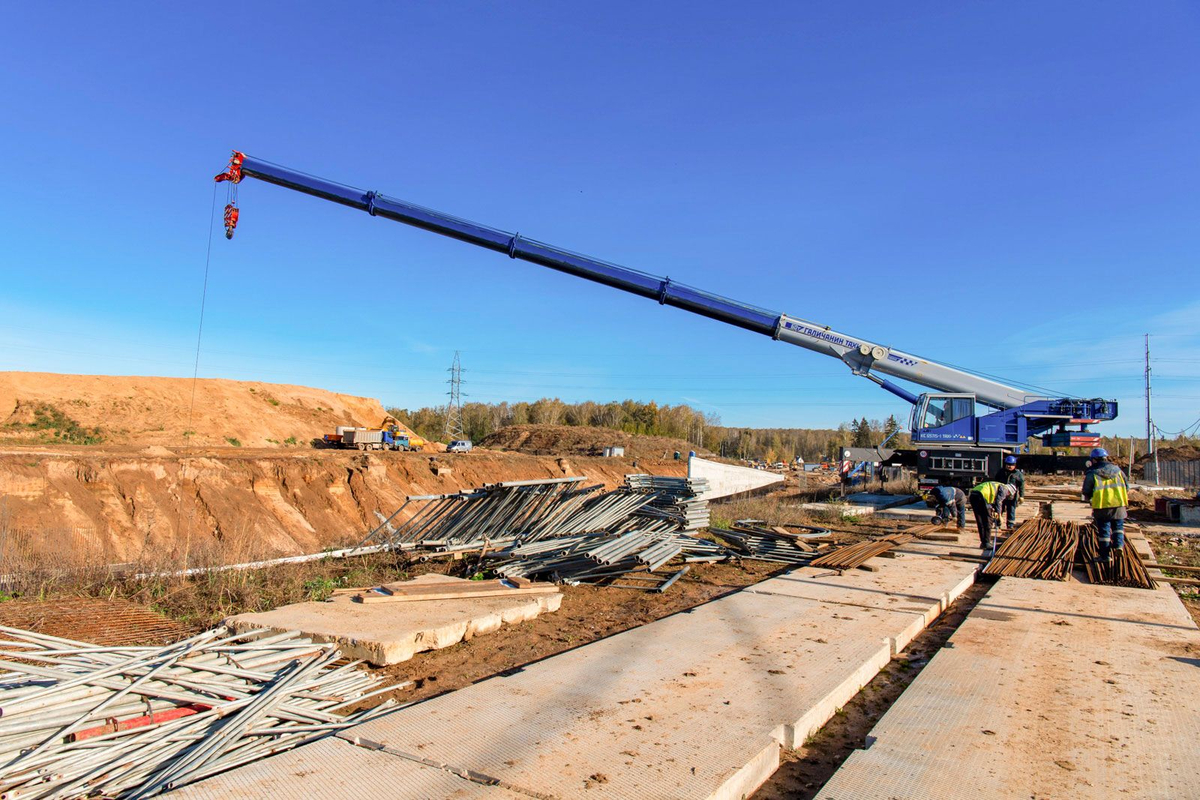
x=582, y=440
x=1184, y=452
x=46, y=408
x=88, y=506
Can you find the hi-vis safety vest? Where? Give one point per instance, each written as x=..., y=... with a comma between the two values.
x=988, y=489
x=1109, y=491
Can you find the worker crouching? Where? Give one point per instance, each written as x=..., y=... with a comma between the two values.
x=1104, y=486
x=950, y=503
x=988, y=499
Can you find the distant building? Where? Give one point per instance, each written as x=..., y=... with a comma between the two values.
x=614, y=452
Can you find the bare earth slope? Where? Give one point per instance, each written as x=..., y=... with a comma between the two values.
x=229, y=505
x=582, y=440
x=155, y=411
x=97, y=469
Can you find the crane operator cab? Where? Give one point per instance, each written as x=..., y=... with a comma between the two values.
x=944, y=418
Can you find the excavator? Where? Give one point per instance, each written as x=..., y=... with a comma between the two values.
x=962, y=427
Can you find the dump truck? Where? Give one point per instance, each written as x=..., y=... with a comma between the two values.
x=376, y=439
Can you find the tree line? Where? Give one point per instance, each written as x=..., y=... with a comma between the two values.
x=702, y=431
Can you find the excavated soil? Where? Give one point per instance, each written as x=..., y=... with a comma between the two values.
x=582, y=440
x=94, y=505
x=105, y=469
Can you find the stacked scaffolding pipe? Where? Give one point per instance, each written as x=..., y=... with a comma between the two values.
x=558, y=529
x=80, y=719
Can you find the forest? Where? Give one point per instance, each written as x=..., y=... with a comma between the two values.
x=702, y=431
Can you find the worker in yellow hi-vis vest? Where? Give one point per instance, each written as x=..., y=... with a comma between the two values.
x=987, y=498
x=1105, y=487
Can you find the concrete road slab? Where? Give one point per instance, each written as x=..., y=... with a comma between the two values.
x=387, y=633
x=334, y=769
x=1047, y=690
x=917, y=513
x=912, y=583
x=693, y=705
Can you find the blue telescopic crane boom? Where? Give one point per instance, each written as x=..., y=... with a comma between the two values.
x=864, y=358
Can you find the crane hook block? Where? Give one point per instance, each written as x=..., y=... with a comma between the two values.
x=233, y=173
x=231, y=218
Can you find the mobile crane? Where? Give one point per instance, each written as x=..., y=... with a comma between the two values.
x=962, y=428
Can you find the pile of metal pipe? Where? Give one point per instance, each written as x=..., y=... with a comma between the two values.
x=600, y=558
x=1040, y=548
x=78, y=719
x=512, y=511
x=674, y=499
x=558, y=529
x=765, y=546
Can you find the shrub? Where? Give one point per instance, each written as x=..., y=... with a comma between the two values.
x=49, y=418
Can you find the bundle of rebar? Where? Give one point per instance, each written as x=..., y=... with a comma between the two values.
x=855, y=555
x=132, y=722
x=1124, y=569
x=1040, y=548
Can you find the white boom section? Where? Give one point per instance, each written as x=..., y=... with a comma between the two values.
x=865, y=357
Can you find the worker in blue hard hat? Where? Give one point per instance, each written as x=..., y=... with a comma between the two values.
x=1105, y=487
x=949, y=503
x=1016, y=478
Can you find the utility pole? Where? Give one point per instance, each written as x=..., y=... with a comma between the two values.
x=454, y=424
x=1149, y=430
x=1150, y=448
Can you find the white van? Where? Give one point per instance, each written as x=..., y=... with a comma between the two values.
x=459, y=446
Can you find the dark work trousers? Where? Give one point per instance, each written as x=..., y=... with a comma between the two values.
x=1110, y=532
x=954, y=510
x=1010, y=512
x=983, y=519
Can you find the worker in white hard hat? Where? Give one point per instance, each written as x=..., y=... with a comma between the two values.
x=988, y=498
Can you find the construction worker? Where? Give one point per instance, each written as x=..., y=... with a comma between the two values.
x=1105, y=487
x=949, y=502
x=1014, y=477
x=988, y=498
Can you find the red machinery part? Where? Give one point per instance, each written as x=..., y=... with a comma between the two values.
x=232, y=173
x=231, y=219
x=114, y=725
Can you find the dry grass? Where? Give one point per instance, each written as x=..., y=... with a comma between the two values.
x=76, y=565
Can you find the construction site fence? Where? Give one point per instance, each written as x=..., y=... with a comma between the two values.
x=1174, y=473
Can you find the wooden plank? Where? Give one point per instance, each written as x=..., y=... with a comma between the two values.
x=1180, y=581
x=417, y=587
x=1177, y=567
x=453, y=594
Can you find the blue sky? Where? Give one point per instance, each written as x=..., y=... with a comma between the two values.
x=1006, y=187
